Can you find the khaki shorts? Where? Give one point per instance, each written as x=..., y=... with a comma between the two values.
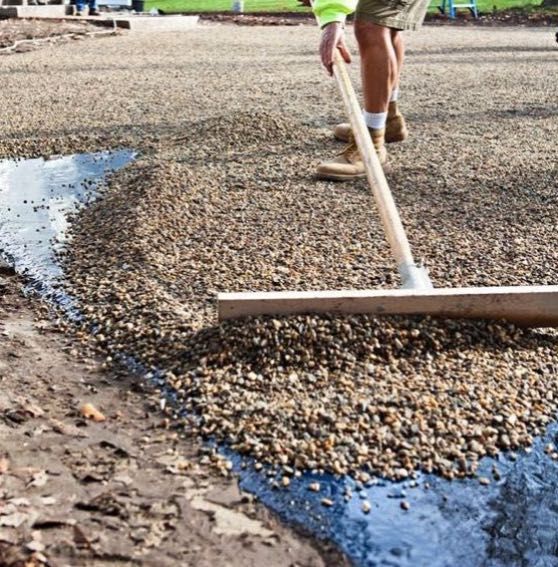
x=396, y=14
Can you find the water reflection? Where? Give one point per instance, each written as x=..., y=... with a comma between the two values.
x=36, y=196
x=511, y=522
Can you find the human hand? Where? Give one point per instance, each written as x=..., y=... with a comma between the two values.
x=333, y=38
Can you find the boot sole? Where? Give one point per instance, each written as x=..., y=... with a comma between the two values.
x=338, y=177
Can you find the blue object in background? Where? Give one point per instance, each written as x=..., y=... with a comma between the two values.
x=450, y=8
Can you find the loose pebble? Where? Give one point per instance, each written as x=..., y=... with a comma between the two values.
x=89, y=411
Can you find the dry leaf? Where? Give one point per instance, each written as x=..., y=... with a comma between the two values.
x=39, y=479
x=80, y=539
x=48, y=500
x=35, y=546
x=13, y=520
x=4, y=465
x=19, y=502
x=89, y=411
x=33, y=409
x=66, y=429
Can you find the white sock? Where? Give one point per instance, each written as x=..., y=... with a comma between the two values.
x=394, y=94
x=375, y=120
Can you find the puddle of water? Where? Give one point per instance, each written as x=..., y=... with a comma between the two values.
x=36, y=196
x=511, y=522
x=451, y=524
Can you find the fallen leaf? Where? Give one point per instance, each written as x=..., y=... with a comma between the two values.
x=13, y=520
x=228, y=522
x=35, y=546
x=33, y=409
x=123, y=478
x=80, y=539
x=49, y=523
x=39, y=479
x=66, y=428
x=48, y=500
x=4, y=465
x=19, y=502
x=40, y=557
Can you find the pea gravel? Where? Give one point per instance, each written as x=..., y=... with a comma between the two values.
x=223, y=199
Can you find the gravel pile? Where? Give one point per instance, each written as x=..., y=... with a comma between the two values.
x=358, y=395
x=342, y=394
x=224, y=199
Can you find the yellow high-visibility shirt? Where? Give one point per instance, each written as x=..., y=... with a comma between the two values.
x=328, y=11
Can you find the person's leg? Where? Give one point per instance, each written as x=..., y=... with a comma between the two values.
x=396, y=130
x=93, y=8
x=379, y=73
x=377, y=26
x=378, y=65
x=399, y=48
x=80, y=5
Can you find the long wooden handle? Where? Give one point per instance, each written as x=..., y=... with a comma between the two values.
x=393, y=227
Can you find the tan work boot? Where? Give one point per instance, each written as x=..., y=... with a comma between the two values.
x=348, y=164
x=396, y=129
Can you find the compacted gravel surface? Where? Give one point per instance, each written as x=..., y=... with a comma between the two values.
x=230, y=123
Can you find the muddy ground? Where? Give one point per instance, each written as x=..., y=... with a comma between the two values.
x=18, y=36
x=126, y=491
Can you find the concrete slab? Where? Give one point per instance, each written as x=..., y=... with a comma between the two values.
x=50, y=11
x=157, y=23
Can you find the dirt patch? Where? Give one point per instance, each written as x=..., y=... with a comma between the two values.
x=271, y=19
x=127, y=490
x=18, y=36
x=509, y=17
x=535, y=17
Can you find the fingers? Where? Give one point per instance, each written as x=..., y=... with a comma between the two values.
x=333, y=39
x=330, y=38
x=327, y=62
x=345, y=53
x=327, y=49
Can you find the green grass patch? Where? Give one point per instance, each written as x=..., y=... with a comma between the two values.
x=226, y=5
x=254, y=6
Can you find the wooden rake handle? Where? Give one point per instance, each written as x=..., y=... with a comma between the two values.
x=411, y=274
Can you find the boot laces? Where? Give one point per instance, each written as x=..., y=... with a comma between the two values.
x=350, y=151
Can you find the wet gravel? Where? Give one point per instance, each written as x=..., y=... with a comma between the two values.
x=224, y=200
